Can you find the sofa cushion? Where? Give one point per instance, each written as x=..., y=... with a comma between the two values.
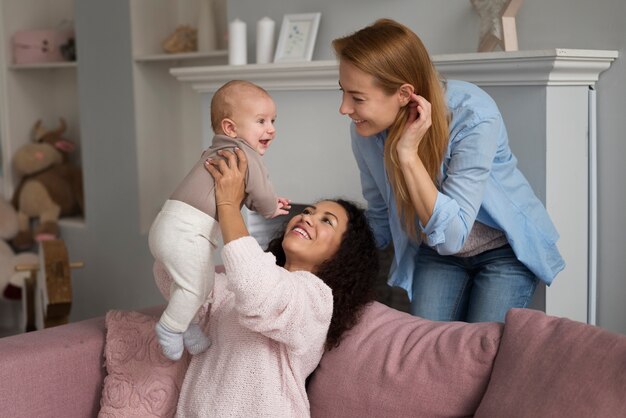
x=556, y=367
x=140, y=381
x=393, y=364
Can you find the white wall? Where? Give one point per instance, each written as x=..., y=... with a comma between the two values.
x=118, y=263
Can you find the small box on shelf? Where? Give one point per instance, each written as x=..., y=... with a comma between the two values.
x=43, y=46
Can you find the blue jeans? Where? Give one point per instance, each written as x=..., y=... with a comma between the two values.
x=471, y=289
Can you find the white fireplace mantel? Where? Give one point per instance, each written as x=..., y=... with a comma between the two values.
x=544, y=67
x=547, y=99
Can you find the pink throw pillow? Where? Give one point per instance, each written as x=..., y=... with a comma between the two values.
x=140, y=381
x=396, y=365
x=555, y=367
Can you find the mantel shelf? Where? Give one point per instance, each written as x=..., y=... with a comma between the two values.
x=543, y=67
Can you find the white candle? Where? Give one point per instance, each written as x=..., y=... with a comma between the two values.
x=265, y=40
x=237, y=47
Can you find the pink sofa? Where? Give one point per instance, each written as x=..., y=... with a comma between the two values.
x=390, y=365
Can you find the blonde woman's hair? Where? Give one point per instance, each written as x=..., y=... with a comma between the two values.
x=394, y=55
x=228, y=97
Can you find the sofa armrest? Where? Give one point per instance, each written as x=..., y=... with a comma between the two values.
x=55, y=372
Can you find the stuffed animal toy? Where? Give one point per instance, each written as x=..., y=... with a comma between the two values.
x=11, y=282
x=50, y=187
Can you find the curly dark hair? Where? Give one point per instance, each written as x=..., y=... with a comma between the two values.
x=351, y=273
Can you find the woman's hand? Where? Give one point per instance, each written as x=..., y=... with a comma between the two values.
x=229, y=175
x=420, y=186
x=417, y=124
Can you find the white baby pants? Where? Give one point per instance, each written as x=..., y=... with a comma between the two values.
x=183, y=239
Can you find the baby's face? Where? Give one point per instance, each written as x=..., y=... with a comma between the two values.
x=255, y=121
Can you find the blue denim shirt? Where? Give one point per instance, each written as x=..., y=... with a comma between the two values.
x=479, y=181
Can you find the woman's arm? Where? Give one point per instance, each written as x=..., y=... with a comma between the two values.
x=465, y=182
x=447, y=216
x=229, y=176
x=422, y=190
x=291, y=308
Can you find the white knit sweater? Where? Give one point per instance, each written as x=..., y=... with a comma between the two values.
x=267, y=327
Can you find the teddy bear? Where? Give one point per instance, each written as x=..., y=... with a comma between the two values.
x=11, y=282
x=50, y=186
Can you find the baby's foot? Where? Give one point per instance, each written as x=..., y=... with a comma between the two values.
x=195, y=340
x=171, y=342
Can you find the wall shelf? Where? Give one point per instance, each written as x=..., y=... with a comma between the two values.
x=29, y=92
x=187, y=56
x=167, y=119
x=44, y=66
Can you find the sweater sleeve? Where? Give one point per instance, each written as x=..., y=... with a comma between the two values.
x=463, y=188
x=261, y=196
x=292, y=308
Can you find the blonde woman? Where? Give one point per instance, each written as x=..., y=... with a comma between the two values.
x=471, y=239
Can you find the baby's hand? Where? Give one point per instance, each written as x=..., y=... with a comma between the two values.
x=282, y=207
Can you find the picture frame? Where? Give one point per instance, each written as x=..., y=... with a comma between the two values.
x=296, y=41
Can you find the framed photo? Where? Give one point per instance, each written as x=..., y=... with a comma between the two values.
x=297, y=37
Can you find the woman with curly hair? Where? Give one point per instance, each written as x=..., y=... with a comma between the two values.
x=350, y=277
x=272, y=315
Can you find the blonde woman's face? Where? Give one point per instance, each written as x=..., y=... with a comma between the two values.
x=371, y=109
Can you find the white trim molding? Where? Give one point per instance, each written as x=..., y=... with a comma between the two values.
x=543, y=67
x=310, y=75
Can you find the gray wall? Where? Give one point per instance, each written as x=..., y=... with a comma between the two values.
x=117, y=272
x=117, y=259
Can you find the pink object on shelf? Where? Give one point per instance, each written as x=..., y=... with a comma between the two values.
x=38, y=46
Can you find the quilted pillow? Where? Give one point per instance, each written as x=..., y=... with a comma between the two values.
x=396, y=365
x=140, y=381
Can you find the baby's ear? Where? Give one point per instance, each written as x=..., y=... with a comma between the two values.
x=229, y=127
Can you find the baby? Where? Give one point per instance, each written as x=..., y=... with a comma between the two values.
x=185, y=232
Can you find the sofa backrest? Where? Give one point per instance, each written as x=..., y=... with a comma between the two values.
x=396, y=365
x=556, y=367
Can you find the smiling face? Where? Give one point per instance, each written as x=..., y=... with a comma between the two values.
x=254, y=120
x=371, y=109
x=314, y=236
